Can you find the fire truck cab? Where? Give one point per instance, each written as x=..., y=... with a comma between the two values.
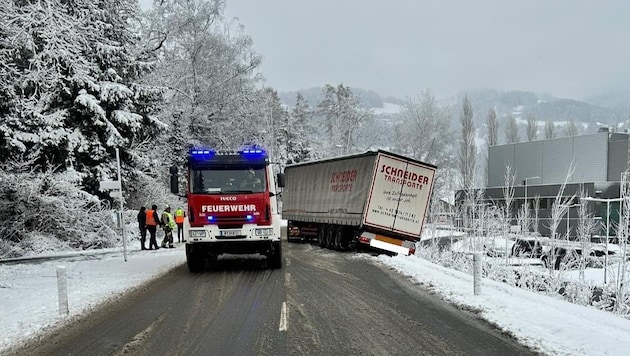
x=232, y=206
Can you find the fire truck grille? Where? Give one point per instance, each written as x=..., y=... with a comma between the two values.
x=231, y=222
x=230, y=226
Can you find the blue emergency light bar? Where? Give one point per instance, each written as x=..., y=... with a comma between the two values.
x=253, y=153
x=207, y=154
x=249, y=217
x=256, y=151
x=202, y=153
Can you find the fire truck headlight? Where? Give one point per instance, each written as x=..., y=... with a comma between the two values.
x=197, y=233
x=263, y=232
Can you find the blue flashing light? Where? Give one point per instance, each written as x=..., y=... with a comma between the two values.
x=253, y=154
x=210, y=218
x=202, y=153
x=258, y=151
x=250, y=217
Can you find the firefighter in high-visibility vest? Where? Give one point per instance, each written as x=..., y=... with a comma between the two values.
x=168, y=224
x=152, y=221
x=179, y=220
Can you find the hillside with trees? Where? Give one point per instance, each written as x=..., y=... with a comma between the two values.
x=82, y=79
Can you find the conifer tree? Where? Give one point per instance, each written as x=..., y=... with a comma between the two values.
x=299, y=132
x=74, y=87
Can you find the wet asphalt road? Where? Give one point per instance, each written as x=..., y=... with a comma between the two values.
x=320, y=303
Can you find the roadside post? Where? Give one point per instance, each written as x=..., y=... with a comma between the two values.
x=62, y=290
x=477, y=273
x=115, y=188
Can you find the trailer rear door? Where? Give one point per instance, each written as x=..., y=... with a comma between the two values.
x=399, y=195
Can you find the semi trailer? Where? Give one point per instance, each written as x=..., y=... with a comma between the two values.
x=376, y=200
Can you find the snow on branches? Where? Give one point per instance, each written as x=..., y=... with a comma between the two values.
x=73, y=91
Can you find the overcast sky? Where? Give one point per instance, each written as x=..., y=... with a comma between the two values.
x=568, y=48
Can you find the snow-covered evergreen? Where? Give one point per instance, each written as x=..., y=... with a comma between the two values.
x=73, y=94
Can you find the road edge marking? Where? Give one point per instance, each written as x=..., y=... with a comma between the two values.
x=284, y=317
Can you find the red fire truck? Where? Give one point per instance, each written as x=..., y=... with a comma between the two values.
x=232, y=206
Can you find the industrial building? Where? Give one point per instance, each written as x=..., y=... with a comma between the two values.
x=593, y=162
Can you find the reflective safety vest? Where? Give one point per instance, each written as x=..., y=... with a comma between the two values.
x=167, y=219
x=179, y=216
x=150, y=220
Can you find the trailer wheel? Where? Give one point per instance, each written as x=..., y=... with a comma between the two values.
x=344, y=240
x=330, y=236
x=338, y=239
x=321, y=235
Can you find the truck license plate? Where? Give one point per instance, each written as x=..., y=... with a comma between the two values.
x=230, y=233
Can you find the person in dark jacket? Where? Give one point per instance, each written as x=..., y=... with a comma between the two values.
x=153, y=220
x=142, y=221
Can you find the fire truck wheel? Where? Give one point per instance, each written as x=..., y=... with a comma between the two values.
x=195, y=260
x=274, y=260
x=212, y=260
x=195, y=264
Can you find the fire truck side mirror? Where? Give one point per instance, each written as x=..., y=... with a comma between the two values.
x=280, y=180
x=174, y=180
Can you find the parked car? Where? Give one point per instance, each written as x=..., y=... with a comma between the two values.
x=529, y=246
x=496, y=246
x=568, y=255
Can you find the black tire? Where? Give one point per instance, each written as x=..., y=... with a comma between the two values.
x=212, y=261
x=195, y=260
x=274, y=260
x=338, y=239
x=330, y=236
x=321, y=235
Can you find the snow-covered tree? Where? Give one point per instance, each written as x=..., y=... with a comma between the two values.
x=508, y=198
x=425, y=129
x=571, y=129
x=73, y=94
x=511, y=130
x=424, y=133
x=299, y=133
x=276, y=135
x=493, y=127
x=532, y=128
x=343, y=118
x=208, y=65
x=467, y=157
x=550, y=129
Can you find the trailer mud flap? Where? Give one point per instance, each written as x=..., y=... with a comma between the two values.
x=387, y=243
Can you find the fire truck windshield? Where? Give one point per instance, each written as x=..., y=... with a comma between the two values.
x=219, y=181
